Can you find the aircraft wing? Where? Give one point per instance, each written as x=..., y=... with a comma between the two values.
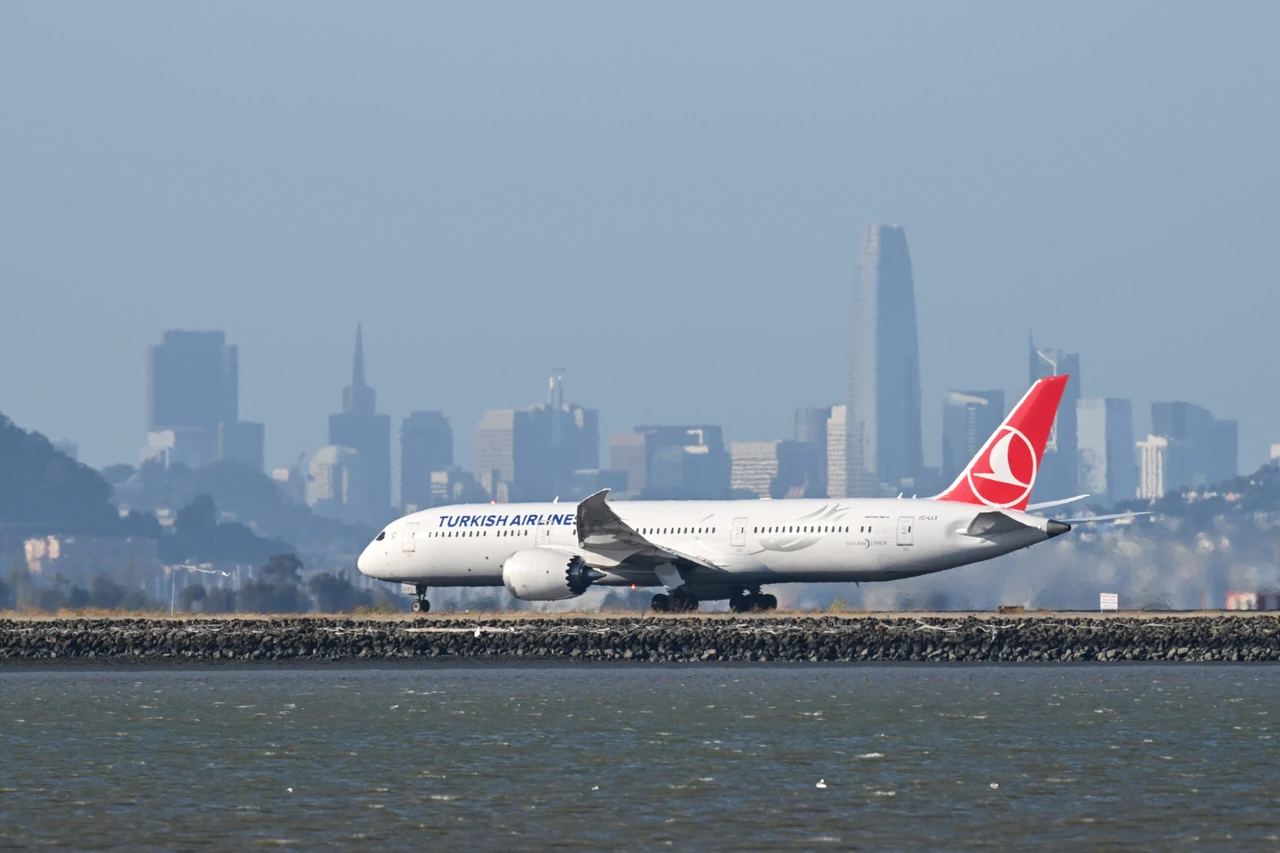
x=599, y=527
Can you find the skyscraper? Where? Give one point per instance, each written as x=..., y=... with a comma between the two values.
x=1108, y=466
x=968, y=419
x=1211, y=444
x=1059, y=467
x=884, y=449
x=426, y=445
x=811, y=428
x=193, y=402
x=531, y=454
x=359, y=427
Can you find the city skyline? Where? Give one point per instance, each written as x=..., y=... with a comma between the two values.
x=669, y=213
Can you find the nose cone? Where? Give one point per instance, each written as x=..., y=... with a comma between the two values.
x=365, y=562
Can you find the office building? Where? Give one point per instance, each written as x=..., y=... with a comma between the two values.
x=426, y=445
x=626, y=454
x=1108, y=467
x=1059, y=469
x=1212, y=444
x=811, y=429
x=192, y=382
x=837, y=444
x=1163, y=463
x=673, y=462
x=531, y=454
x=339, y=485
x=969, y=418
x=243, y=442
x=771, y=469
x=193, y=403
x=884, y=447
x=360, y=428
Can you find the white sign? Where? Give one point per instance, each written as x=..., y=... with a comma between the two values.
x=1108, y=601
x=412, y=589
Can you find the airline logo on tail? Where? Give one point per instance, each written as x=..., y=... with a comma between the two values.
x=1003, y=473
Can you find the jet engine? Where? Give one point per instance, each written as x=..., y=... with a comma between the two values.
x=545, y=574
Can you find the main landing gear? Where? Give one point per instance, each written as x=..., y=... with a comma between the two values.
x=420, y=604
x=751, y=601
x=677, y=601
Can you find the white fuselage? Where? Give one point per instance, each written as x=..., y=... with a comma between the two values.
x=735, y=542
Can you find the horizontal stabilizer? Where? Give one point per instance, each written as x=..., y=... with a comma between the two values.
x=1093, y=519
x=1048, y=504
x=994, y=523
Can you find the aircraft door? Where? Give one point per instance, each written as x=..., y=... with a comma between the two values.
x=544, y=536
x=409, y=539
x=904, y=530
x=738, y=533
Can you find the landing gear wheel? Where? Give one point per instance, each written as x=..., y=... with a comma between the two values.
x=682, y=602
x=420, y=605
x=767, y=602
x=661, y=603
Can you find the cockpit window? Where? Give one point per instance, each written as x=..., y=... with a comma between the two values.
x=381, y=536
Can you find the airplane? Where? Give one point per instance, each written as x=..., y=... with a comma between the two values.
x=715, y=550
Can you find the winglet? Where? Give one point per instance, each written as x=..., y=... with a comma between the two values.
x=1003, y=473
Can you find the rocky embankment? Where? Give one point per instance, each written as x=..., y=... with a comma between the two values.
x=800, y=639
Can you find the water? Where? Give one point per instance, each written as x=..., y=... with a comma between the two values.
x=639, y=757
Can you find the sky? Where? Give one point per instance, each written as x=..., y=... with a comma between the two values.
x=665, y=199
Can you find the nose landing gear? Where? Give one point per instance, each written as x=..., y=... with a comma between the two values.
x=420, y=604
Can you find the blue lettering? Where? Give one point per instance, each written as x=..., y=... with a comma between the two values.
x=442, y=518
x=475, y=521
x=488, y=521
x=453, y=520
x=502, y=520
x=465, y=520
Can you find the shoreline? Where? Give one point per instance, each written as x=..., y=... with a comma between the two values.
x=622, y=638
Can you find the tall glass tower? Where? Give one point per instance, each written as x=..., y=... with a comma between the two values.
x=885, y=452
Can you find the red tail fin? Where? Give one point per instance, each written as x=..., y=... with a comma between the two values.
x=1003, y=472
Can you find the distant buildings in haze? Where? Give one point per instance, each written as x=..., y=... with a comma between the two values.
x=533, y=454
x=193, y=403
x=359, y=428
x=1188, y=448
x=426, y=447
x=884, y=444
x=968, y=419
x=1059, y=472
x=1108, y=469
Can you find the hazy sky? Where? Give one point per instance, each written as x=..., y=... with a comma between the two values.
x=666, y=200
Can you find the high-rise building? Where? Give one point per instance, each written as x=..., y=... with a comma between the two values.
x=811, y=429
x=771, y=469
x=1163, y=463
x=426, y=445
x=680, y=462
x=969, y=418
x=339, y=484
x=193, y=398
x=243, y=442
x=1108, y=468
x=626, y=453
x=359, y=427
x=1059, y=467
x=532, y=454
x=192, y=382
x=1211, y=443
x=837, y=444
x=884, y=447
